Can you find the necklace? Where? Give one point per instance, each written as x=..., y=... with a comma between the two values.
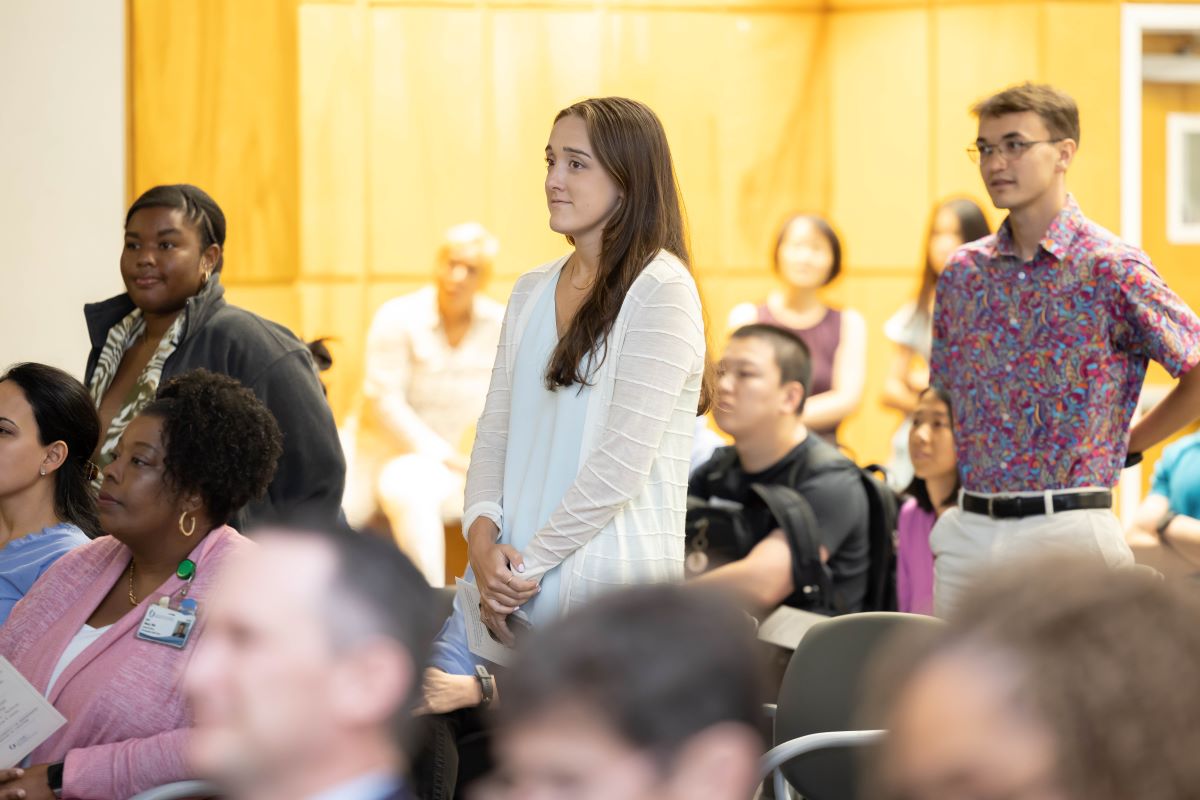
x=133, y=601
x=571, y=278
x=185, y=572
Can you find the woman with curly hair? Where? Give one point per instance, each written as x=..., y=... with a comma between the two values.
x=183, y=466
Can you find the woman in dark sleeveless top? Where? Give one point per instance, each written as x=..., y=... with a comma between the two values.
x=808, y=256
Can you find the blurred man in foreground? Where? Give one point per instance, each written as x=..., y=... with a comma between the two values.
x=649, y=693
x=305, y=681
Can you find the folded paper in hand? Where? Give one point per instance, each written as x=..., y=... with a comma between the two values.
x=479, y=638
x=26, y=719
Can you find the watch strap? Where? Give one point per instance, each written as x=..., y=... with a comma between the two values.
x=486, y=685
x=54, y=777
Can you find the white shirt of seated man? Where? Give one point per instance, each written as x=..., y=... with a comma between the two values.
x=429, y=359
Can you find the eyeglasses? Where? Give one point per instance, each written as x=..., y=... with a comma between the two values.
x=1011, y=149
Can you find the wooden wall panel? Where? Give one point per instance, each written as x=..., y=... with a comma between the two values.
x=540, y=62
x=880, y=133
x=978, y=49
x=427, y=128
x=213, y=101
x=333, y=138
x=879, y=81
x=1091, y=75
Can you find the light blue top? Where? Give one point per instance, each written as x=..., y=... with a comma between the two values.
x=1177, y=476
x=545, y=434
x=22, y=561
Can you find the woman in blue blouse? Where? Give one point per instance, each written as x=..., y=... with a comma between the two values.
x=48, y=431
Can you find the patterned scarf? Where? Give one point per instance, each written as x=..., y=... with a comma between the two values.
x=121, y=337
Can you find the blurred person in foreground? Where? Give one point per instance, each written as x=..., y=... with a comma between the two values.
x=1053, y=681
x=653, y=692
x=305, y=684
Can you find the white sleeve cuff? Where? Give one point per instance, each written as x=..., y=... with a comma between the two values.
x=490, y=510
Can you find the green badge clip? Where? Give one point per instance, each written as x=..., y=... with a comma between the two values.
x=187, y=568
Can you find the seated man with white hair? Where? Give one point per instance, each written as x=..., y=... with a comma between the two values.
x=428, y=363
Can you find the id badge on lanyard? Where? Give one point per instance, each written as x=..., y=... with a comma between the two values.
x=171, y=619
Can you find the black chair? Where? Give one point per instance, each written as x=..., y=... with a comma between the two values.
x=818, y=742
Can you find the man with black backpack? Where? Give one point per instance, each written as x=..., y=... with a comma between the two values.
x=780, y=517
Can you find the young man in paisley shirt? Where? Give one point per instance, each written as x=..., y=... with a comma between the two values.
x=1042, y=334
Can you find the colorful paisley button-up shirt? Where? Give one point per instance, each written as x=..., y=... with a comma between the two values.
x=1044, y=360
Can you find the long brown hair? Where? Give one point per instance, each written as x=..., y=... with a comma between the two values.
x=972, y=225
x=631, y=146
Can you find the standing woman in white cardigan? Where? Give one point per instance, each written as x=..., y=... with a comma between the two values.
x=578, y=477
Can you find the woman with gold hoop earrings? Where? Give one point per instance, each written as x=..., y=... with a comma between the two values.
x=98, y=634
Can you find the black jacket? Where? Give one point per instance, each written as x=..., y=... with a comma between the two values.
x=268, y=359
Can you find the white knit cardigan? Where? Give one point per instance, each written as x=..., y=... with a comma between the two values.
x=621, y=521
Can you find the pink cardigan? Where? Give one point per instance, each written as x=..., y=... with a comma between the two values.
x=127, y=720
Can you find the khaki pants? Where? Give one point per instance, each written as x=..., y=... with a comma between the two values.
x=964, y=543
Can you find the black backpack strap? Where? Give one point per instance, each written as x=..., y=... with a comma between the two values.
x=884, y=506
x=792, y=513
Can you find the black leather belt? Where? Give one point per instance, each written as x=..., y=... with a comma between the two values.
x=1016, y=507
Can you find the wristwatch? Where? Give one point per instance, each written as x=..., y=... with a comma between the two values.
x=1163, y=524
x=486, y=685
x=54, y=777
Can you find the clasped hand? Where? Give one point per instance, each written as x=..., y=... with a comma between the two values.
x=497, y=569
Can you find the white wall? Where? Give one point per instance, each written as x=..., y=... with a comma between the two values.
x=62, y=172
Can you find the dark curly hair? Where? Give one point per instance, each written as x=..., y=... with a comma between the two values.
x=220, y=440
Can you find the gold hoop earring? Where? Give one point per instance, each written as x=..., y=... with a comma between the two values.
x=188, y=531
